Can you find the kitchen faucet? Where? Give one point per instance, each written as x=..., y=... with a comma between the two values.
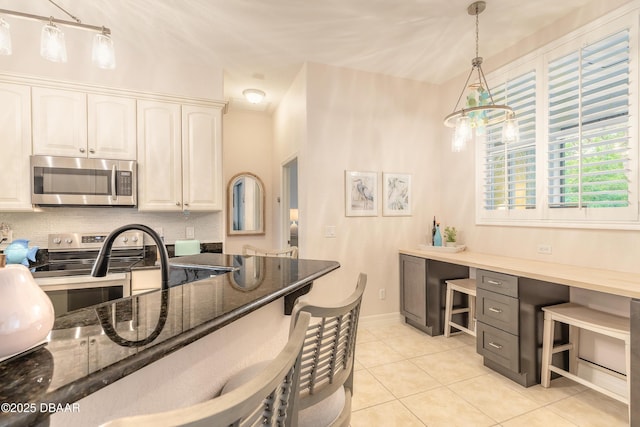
x=101, y=266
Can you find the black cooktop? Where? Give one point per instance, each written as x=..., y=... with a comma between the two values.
x=79, y=268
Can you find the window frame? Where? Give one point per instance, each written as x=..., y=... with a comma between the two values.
x=543, y=215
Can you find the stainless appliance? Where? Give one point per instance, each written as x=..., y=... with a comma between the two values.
x=80, y=181
x=67, y=279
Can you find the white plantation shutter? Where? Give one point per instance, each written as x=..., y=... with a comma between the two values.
x=510, y=169
x=588, y=126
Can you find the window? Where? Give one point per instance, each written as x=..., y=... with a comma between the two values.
x=589, y=126
x=576, y=163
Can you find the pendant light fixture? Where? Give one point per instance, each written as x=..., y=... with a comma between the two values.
x=52, y=42
x=479, y=102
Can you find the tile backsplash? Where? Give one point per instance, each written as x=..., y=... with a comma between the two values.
x=36, y=226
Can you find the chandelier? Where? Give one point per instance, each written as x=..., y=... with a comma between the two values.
x=479, y=102
x=52, y=43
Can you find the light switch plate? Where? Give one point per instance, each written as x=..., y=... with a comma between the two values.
x=190, y=233
x=330, y=231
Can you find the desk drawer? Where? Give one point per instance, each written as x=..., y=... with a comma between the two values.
x=498, y=282
x=499, y=346
x=499, y=311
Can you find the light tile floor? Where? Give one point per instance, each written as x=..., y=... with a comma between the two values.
x=406, y=378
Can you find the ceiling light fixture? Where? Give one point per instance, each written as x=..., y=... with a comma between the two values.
x=254, y=96
x=479, y=101
x=52, y=43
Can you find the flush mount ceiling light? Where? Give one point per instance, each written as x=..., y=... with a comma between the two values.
x=479, y=101
x=254, y=96
x=52, y=43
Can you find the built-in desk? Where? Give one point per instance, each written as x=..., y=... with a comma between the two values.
x=156, y=350
x=601, y=280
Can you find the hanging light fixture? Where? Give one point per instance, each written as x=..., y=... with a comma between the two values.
x=479, y=102
x=52, y=43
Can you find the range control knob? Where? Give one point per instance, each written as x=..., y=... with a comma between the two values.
x=57, y=240
x=68, y=241
x=125, y=239
x=134, y=239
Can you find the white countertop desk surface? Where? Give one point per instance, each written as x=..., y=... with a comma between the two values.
x=595, y=279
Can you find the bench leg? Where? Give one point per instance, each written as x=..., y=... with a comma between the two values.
x=547, y=351
x=472, y=313
x=447, y=312
x=574, y=350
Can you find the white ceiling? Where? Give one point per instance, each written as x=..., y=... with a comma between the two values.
x=263, y=43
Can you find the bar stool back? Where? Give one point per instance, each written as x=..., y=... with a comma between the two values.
x=464, y=286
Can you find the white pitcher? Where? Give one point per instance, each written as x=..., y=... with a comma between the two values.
x=26, y=312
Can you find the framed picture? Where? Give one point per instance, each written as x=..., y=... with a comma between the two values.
x=396, y=194
x=361, y=193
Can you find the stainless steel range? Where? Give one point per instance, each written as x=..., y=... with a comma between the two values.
x=67, y=279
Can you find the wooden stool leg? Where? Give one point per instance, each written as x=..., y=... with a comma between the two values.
x=547, y=350
x=472, y=313
x=627, y=357
x=447, y=313
x=574, y=350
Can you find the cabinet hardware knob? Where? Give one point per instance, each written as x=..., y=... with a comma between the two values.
x=92, y=151
x=494, y=345
x=495, y=310
x=177, y=203
x=186, y=204
x=82, y=150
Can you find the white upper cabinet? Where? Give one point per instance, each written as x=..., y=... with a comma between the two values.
x=112, y=127
x=179, y=157
x=74, y=124
x=15, y=140
x=201, y=158
x=59, y=122
x=159, y=156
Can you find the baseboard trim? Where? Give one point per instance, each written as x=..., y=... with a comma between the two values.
x=380, y=319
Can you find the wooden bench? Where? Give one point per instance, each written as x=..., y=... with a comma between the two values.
x=579, y=317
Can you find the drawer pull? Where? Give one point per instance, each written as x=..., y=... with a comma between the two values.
x=495, y=310
x=494, y=345
x=494, y=282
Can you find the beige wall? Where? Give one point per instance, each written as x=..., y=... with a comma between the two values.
x=248, y=147
x=608, y=249
x=363, y=122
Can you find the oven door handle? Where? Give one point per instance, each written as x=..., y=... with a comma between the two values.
x=82, y=282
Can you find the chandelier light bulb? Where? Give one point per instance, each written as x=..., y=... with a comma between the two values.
x=103, y=55
x=461, y=134
x=510, y=130
x=52, y=45
x=5, y=38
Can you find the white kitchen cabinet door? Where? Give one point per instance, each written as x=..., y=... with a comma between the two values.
x=59, y=122
x=159, y=156
x=15, y=140
x=111, y=127
x=202, y=158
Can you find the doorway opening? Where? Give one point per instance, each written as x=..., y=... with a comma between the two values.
x=290, y=203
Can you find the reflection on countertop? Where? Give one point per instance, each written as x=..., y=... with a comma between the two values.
x=83, y=354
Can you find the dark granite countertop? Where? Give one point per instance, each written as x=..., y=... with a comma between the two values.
x=94, y=347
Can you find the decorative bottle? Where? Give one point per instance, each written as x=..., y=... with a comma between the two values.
x=433, y=232
x=437, y=237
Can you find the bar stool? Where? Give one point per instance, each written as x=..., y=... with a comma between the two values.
x=464, y=286
x=579, y=317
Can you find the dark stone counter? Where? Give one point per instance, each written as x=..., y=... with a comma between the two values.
x=94, y=347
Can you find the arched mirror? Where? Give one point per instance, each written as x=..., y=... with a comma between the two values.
x=245, y=206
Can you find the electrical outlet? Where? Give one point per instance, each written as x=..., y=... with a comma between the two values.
x=544, y=249
x=190, y=233
x=330, y=231
x=382, y=293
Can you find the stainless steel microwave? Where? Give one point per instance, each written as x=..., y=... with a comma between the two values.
x=71, y=181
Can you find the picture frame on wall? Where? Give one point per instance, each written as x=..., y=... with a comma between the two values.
x=361, y=193
x=396, y=194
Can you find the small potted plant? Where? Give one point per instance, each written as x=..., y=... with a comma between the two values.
x=450, y=234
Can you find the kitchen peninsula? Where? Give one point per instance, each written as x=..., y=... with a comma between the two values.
x=66, y=381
